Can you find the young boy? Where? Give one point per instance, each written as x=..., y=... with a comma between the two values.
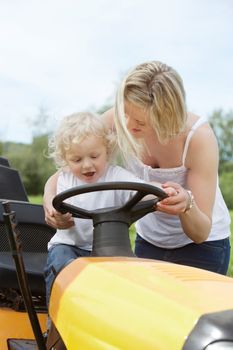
x=82, y=148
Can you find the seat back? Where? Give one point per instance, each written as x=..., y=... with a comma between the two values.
x=35, y=235
x=4, y=161
x=11, y=185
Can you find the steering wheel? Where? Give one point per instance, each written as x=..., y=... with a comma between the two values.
x=111, y=224
x=141, y=189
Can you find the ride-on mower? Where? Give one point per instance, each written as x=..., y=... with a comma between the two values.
x=114, y=300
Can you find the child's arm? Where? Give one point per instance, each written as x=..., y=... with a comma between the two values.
x=52, y=216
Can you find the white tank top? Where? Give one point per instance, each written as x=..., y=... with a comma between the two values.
x=164, y=230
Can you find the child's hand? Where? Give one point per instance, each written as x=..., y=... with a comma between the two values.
x=57, y=220
x=53, y=218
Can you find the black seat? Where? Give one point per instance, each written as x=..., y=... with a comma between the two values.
x=35, y=234
x=4, y=161
x=11, y=185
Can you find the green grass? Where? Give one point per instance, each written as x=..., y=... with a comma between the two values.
x=36, y=199
x=230, y=270
x=39, y=200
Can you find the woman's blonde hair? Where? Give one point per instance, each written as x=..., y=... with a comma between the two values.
x=157, y=89
x=73, y=129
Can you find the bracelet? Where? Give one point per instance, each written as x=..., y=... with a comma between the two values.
x=190, y=201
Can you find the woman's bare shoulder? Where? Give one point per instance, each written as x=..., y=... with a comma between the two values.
x=203, y=141
x=203, y=129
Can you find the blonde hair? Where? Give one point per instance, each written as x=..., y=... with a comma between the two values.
x=158, y=89
x=73, y=129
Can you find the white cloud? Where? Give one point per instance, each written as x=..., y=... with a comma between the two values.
x=69, y=55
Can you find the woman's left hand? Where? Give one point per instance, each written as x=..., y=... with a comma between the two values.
x=177, y=200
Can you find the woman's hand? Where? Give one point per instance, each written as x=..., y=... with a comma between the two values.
x=177, y=201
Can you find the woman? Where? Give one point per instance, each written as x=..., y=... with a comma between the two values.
x=162, y=142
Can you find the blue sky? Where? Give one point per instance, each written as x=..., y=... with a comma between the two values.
x=68, y=56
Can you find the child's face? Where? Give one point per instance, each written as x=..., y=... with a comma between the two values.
x=88, y=159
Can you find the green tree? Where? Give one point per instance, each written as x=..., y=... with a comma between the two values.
x=41, y=122
x=222, y=124
x=226, y=181
x=37, y=166
x=30, y=160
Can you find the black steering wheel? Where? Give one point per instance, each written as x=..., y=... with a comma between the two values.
x=111, y=224
x=141, y=189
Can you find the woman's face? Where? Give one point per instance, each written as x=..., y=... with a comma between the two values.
x=137, y=121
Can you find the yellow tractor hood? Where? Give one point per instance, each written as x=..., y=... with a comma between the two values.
x=130, y=303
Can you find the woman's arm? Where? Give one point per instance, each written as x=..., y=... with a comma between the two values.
x=202, y=164
x=52, y=216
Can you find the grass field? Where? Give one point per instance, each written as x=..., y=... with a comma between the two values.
x=38, y=200
x=230, y=270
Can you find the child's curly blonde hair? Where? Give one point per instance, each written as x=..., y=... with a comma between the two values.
x=73, y=129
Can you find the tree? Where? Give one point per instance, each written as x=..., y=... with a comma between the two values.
x=37, y=166
x=1, y=147
x=40, y=123
x=30, y=160
x=226, y=181
x=222, y=124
